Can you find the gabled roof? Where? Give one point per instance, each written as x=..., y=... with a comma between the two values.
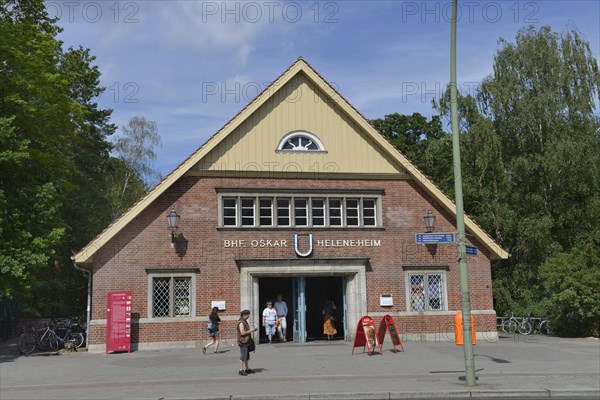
x=85, y=255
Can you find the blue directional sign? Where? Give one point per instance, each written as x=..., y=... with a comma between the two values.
x=471, y=250
x=431, y=238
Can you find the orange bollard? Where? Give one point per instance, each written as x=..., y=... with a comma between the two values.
x=458, y=329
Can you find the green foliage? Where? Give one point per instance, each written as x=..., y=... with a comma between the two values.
x=572, y=280
x=34, y=112
x=424, y=143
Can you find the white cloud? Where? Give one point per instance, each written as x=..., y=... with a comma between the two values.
x=204, y=25
x=242, y=54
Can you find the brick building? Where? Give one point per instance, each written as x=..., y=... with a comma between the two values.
x=297, y=194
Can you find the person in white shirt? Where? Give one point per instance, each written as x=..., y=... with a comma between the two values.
x=282, y=310
x=269, y=320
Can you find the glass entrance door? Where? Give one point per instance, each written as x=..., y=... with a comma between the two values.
x=299, y=299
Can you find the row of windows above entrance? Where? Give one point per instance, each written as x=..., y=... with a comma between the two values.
x=300, y=211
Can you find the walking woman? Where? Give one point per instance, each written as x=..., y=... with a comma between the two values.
x=213, y=330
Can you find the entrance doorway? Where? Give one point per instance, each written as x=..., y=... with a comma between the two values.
x=318, y=291
x=305, y=298
x=269, y=288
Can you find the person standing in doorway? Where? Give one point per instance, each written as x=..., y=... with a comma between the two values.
x=281, y=310
x=269, y=319
x=213, y=330
x=329, y=318
x=244, y=339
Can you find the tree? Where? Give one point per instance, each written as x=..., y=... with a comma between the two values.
x=424, y=143
x=53, y=152
x=531, y=157
x=541, y=99
x=35, y=110
x=132, y=172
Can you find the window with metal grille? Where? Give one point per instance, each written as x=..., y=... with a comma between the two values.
x=171, y=296
x=426, y=292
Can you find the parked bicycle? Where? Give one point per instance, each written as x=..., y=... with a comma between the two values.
x=513, y=324
x=526, y=325
x=48, y=338
x=76, y=327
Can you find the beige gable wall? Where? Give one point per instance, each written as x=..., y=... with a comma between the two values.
x=300, y=105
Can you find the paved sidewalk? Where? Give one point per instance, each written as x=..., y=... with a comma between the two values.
x=535, y=366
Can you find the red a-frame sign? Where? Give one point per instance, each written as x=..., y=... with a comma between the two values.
x=387, y=323
x=366, y=335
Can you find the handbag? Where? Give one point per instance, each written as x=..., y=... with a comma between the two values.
x=252, y=345
x=244, y=340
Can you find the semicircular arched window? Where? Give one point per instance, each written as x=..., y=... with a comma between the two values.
x=300, y=141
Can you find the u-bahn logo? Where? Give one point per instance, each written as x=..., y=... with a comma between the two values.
x=297, y=247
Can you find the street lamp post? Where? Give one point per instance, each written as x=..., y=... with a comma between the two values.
x=460, y=217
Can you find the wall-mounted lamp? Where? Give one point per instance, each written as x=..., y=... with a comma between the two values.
x=172, y=222
x=429, y=221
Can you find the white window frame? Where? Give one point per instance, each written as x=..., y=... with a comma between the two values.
x=306, y=208
x=323, y=208
x=375, y=208
x=304, y=134
x=242, y=208
x=341, y=209
x=261, y=208
x=359, y=218
x=289, y=211
x=222, y=209
x=425, y=273
x=171, y=275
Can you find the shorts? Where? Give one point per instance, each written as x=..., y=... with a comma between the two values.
x=213, y=334
x=270, y=329
x=244, y=353
x=282, y=323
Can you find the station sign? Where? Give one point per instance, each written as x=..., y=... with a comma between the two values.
x=471, y=250
x=433, y=238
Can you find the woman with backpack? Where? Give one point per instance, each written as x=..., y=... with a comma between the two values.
x=213, y=330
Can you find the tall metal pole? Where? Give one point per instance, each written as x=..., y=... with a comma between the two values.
x=460, y=214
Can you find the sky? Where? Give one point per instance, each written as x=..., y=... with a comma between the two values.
x=190, y=66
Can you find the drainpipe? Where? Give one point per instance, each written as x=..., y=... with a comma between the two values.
x=89, y=302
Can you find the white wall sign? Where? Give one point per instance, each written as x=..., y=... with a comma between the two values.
x=386, y=300
x=220, y=304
